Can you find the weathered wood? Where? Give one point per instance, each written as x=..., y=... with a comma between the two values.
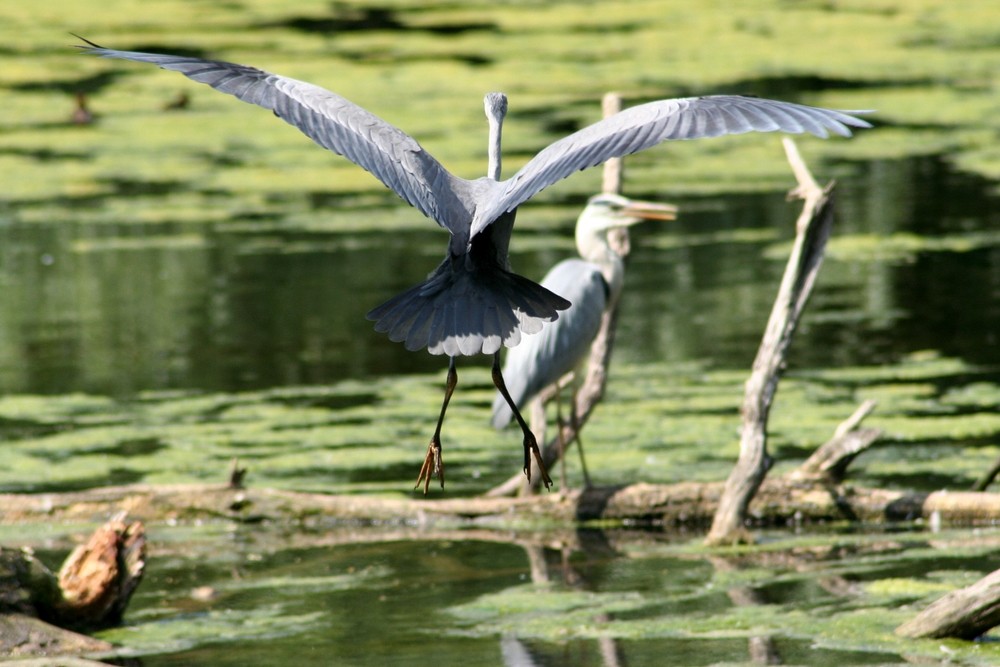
x=613, y=170
x=830, y=461
x=965, y=614
x=778, y=501
x=99, y=577
x=812, y=230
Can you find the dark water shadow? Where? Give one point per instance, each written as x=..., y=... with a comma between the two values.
x=348, y=18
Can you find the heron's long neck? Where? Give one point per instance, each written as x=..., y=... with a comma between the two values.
x=593, y=246
x=496, y=109
x=496, y=129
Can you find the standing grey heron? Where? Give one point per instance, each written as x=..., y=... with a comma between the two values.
x=592, y=283
x=473, y=303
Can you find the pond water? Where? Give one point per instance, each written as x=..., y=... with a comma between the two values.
x=115, y=309
x=589, y=597
x=181, y=288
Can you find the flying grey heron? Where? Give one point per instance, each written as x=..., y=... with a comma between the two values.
x=592, y=283
x=473, y=303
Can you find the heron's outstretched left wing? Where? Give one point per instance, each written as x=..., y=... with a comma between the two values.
x=646, y=125
x=391, y=155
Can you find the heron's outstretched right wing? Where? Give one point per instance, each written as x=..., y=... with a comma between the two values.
x=646, y=125
x=391, y=155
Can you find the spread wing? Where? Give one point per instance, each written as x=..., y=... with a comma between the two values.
x=646, y=125
x=391, y=155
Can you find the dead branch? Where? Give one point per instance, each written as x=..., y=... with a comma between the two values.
x=99, y=577
x=966, y=613
x=812, y=231
x=830, y=461
x=983, y=482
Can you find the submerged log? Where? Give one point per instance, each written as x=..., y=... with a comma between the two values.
x=966, y=613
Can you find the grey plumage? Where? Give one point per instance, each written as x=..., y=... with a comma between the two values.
x=544, y=358
x=592, y=283
x=472, y=303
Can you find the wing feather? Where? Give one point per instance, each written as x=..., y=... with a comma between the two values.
x=646, y=125
x=335, y=123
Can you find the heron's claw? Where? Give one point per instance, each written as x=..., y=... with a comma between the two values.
x=531, y=449
x=433, y=466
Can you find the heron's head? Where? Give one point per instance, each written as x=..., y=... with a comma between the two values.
x=496, y=106
x=607, y=211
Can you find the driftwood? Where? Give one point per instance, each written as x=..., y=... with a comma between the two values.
x=91, y=591
x=965, y=614
x=829, y=462
x=812, y=232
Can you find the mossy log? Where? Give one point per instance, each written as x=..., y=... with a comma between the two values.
x=779, y=501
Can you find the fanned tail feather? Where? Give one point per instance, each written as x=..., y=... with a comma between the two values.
x=461, y=313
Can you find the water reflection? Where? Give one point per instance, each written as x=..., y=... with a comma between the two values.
x=369, y=597
x=122, y=308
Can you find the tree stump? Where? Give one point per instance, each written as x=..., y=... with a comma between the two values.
x=38, y=610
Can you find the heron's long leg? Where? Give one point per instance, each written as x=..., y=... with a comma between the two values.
x=562, y=443
x=433, y=463
x=530, y=444
x=574, y=419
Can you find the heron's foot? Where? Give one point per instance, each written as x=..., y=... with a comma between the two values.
x=433, y=466
x=531, y=449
